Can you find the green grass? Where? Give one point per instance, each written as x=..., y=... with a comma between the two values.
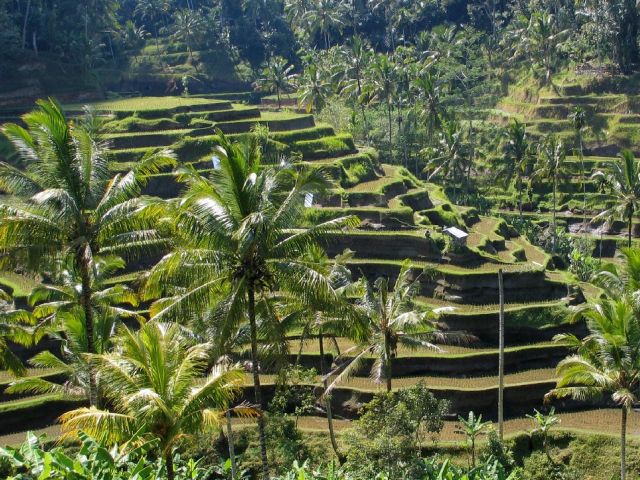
x=437, y=383
x=140, y=104
x=30, y=402
x=21, y=285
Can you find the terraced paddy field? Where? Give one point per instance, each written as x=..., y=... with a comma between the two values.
x=600, y=421
x=402, y=217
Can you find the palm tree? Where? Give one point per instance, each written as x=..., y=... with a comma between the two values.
x=276, y=78
x=429, y=89
x=16, y=326
x=67, y=204
x=539, y=41
x=450, y=156
x=552, y=165
x=355, y=59
x=151, y=11
x=517, y=158
x=392, y=320
x=381, y=87
x=336, y=319
x=313, y=89
x=579, y=120
x=58, y=313
x=154, y=384
x=188, y=24
x=326, y=16
x=623, y=178
x=472, y=427
x=239, y=237
x=607, y=361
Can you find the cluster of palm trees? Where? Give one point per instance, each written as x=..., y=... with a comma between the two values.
x=236, y=272
x=607, y=361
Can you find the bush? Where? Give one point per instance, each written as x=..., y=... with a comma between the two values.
x=386, y=437
x=538, y=467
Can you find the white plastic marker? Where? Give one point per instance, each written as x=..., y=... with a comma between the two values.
x=308, y=200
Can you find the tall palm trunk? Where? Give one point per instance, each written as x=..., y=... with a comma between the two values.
x=390, y=131
x=85, y=300
x=520, y=199
x=168, y=462
x=232, y=453
x=325, y=384
x=623, y=445
x=553, y=222
x=256, y=380
x=630, y=229
x=24, y=25
x=387, y=362
x=278, y=96
x=584, y=186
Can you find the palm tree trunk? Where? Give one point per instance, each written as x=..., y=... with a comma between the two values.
x=520, y=199
x=584, y=188
x=232, y=453
x=387, y=361
x=553, y=245
x=24, y=25
x=623, y=445
x=630, y=229
x=168, y=461
x=256, y=380
x=390, y=133
x=85, y=300
x=325, y=384
x=278, y=95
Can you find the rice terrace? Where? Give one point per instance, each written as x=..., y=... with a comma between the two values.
x=320, y=239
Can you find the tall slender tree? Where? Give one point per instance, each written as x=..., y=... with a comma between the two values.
x=381, y=87
x=240, y=238
x=552, y=166
x=623, y=179
x=392, y=320
x=277, y=77
x=517, y=159
x=605, y=362
x=67, y=204
x=579, y=120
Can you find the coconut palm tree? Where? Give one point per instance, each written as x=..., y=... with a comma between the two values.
x=392, y=320
x=16, y=326
x=67, y=204
x=154, y=384
x=517, y=158
x=325, y=17
x=355, y=58
x=336, y=319
x=277, y=77
x=552, y=166
x=240, y=238
x=428, y=89
x=188, y=24
x=313, y=88
x=606, y=362
x=381, y=88
x=579, y=120
x=451, y=155
x=57, y=313
x=623, y=179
